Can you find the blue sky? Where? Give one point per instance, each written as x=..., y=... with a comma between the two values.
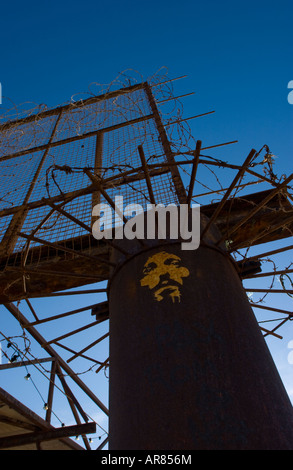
x=237, y=57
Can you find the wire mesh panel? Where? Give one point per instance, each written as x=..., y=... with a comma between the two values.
x=43, y=158
x=56, y=165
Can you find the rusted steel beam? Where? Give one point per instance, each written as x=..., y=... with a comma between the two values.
x=254, y=211
x=74, y=352
x=179, y=187
x=9, y=239
x=66, y=249
x=42, y=161
x=278, y=326
x=168, y=81
x=47, y=272
x=89, y=346
x=270, y=332
x=220, y=145
x=76, y=138
x=32, y=309
x=248, y=268
x=175, y=98
x=42, y=257
x=273, y=215
x=221, y=190
x=71, y=333
x=147, y=175
x=99, y=184
x=64, y=198
x=135, y=174
x=13, y=365
x=98, y=181
x=74, y=404
x=262, y=228
x=69, y=216
x=69, y=394
x=273, y=309
x=72, y=106
x=270, y=273
x=119, y=179
x=98, y=165
x=17, y=423
x=51, y=392
x=272, y=252
x=270, y=291
x=187, y=119
x=37, y=423
x=76, y=292
x=229, y=191
x=268, y=231
x=41, y=436
x=193, y=171
x=61, y=315
x=102, y=445
x=38, y=337
x=102, y=365
x=101, y=309
x=139, y=173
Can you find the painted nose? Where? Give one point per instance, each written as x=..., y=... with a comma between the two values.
x=164, y=279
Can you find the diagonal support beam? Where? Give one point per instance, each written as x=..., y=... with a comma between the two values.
x=65, y=249
x=147, y=175
x=13, y=365
x=194, y=171
x=254, y=211
x=57, y=433
x=229, y=191
x=39, y=338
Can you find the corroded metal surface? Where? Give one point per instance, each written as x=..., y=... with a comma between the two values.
x=189, y=366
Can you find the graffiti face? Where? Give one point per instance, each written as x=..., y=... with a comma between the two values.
x=163, y=275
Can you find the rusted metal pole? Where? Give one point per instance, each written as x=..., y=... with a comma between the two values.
x=52, y=434
x=51, y=392
x=78, y=104
x=230, y=189
x=39, y=338
x=189, y=367
x=76, y=137
x=187, y=119
x=179, y=187
x=175, y=98
x=193, y=172
x=65, y=249
x=273, y=309
x=258, y=207
x=86, y=348
x=10, y=237
x=147, y=175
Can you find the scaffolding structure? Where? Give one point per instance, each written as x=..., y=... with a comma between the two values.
x=57, y=164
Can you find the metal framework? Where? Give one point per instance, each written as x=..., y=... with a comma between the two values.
x=57, y=164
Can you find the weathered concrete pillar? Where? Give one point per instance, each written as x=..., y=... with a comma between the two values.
x=189, y=368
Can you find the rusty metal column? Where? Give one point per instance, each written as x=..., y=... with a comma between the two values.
x=189, y=368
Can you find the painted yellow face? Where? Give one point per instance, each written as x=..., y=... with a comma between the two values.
x=163, y=274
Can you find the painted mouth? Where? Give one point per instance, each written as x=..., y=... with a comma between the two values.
x=169, y=290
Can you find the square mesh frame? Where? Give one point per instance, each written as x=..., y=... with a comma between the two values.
x=43, y=156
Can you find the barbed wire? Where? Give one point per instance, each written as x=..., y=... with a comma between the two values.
x=24, y=138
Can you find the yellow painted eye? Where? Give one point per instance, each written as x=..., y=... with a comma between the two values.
x=147, y=269
x=174, y=262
